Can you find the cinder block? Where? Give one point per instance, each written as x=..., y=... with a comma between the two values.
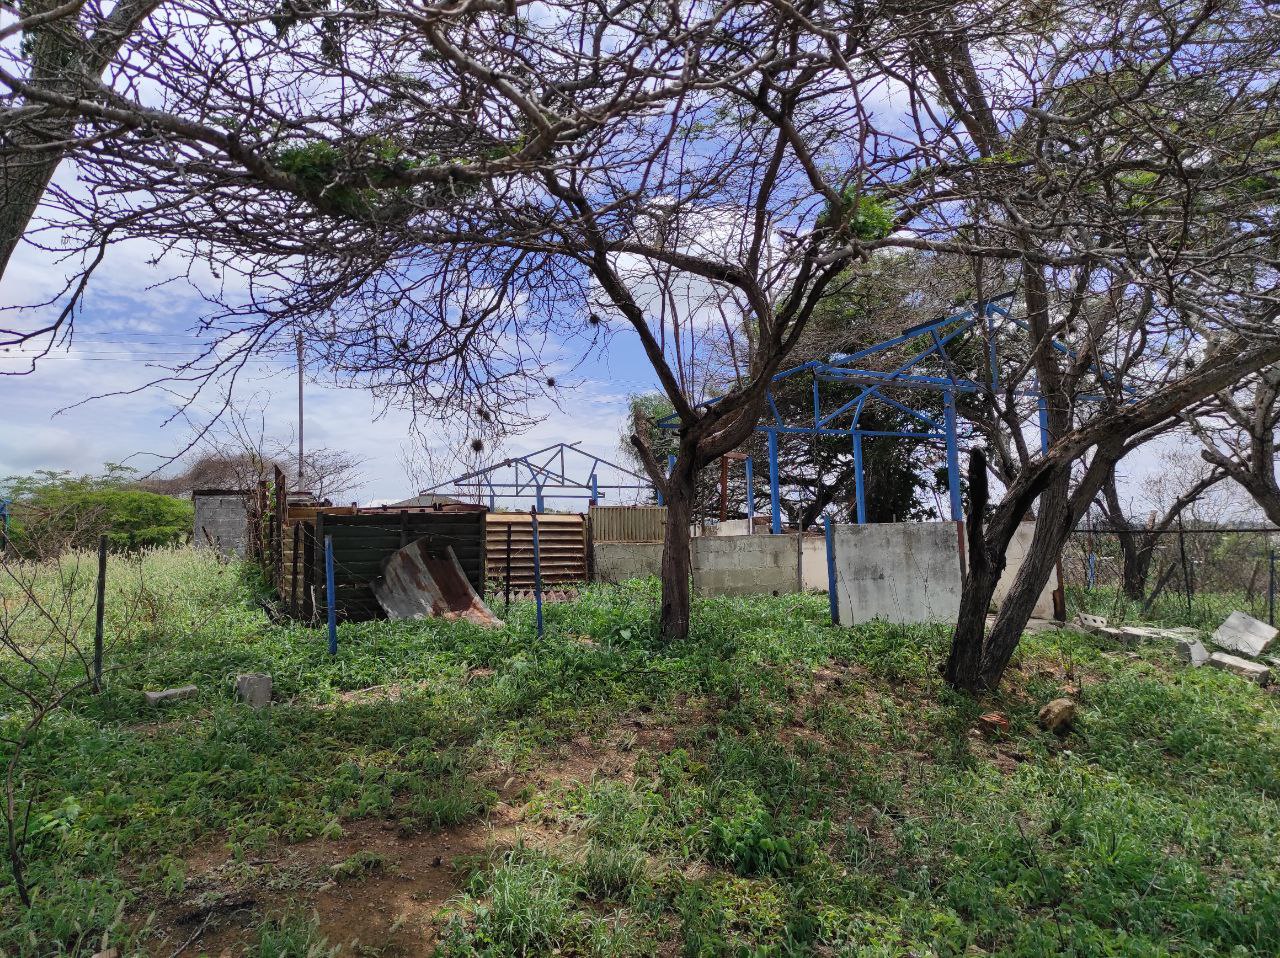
x=1243, y=633
x=254, y=689
x=1191, y=651
x=1253, y=671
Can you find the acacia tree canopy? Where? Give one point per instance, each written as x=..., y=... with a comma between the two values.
x=433, y=193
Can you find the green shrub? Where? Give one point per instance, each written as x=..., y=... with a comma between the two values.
x=53, y=511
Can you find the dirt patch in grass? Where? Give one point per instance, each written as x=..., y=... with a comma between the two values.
x=374, y=889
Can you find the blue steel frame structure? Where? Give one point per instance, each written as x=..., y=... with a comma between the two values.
x=545, y=473
x=845, y=419
x=539, y=478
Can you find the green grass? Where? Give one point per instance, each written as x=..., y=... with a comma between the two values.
x=819, y=790
x=1205, y=611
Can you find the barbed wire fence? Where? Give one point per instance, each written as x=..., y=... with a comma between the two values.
x=1194, y=575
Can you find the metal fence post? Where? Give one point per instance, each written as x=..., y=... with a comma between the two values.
x=506, y=589
x=330, y=598
x=537, y=569
x=1271, y=587
x=828, y=529
x=101, y=610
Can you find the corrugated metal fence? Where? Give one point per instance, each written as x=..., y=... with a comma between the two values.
x=562, y=548
x=628, y=523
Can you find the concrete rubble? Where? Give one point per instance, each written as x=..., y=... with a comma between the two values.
x=1144, y=633
x=254, y=689
x=1253, y=671
x=1091, y=623
x=170, y=695
x=1243, y=633
x=1191, y=651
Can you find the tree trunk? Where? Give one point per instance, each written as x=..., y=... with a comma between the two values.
x=23, y=179
x=1054, y=521
x=1137, y=566
x=676, y=562
x=963, y=668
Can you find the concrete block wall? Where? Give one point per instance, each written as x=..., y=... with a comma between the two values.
x=618, y=561
x=907, y=572
x=223, y=517
x=746, y=565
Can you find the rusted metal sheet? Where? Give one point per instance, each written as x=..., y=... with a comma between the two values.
x=628, y=523
x=421, y=582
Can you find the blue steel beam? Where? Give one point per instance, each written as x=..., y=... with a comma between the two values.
x=953, y=457
x=775, y=498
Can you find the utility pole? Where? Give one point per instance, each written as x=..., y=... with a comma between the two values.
x=298, y=480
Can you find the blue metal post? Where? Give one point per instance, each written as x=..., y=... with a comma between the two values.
x=859, y=481
x=538, y=498
x=595, y=490
x=953, y=457
x=831, y=565
x=751, y=498
x=775, y=499
x=537, y=571
x=1043, y=406
x=1271, y=587
x=330, y=597
x=1093, y=569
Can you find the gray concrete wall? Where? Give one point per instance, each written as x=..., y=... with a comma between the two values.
x=813, y=564
x=746, y=565
x=907, y=572
x=617, y=561
x=222, y=517
x=730, y=527
x=1015, y=555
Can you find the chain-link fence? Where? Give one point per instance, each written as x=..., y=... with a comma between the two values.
x=1190, y=576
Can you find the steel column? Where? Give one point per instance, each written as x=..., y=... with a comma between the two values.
x=953, y=457
x=859, y=482
x=751, y=498
x=831, y=564
x=775, y=499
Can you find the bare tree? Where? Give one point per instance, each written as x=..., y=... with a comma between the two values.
x=1237, y=429
x=1173, y=494
x=63, y=45
x=239, y=451
x=431, y=462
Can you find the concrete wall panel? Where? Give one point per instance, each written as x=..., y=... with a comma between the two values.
x=813, y=564
x=1015, y=555
x=618, y=561
x=746, y=565
x=907, y=572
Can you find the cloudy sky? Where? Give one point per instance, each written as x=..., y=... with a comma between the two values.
x=133, y=322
